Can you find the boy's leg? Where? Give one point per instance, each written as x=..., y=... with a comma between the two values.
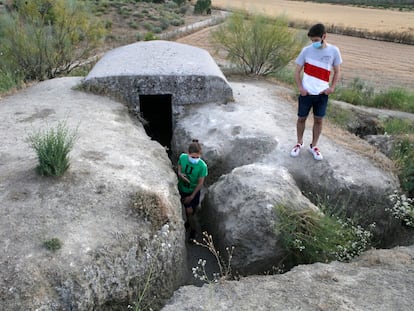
x=304, y=107
x=319, y=111
x=317, y=130
x=191, y=210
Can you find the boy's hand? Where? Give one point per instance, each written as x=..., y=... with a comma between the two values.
x=183, y=177
x=328, y=91
x=187, y=200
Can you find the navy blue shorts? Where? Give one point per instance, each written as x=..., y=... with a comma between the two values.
x=194, y=202
x=318, y=103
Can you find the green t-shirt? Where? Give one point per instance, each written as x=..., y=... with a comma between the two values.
x=193, y=172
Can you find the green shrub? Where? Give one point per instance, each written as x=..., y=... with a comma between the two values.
x=257, y=44
x=9, y=80
x=397, y=126
x=150, y=36
x=357, y=92
x=138, y=36
x=180, y=2
x=177, y=22
x=53, y=244
x=340, y=116
x=133, y=25
x=285, y=75
x=404, y=157
x=396, y=98
x=308, y=236
x=202, y=6
x=44, y=38
x=52, y=148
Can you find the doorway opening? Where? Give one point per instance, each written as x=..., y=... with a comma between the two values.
x=157, y=111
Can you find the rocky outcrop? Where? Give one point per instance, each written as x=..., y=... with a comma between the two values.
x=240, y=208
x=116, y=211
x=381, y=280
x=258, y=128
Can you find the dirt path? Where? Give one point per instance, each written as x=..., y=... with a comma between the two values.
x=340, y=15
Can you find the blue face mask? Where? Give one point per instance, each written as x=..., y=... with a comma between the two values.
x=192, y=160
x=317, y=44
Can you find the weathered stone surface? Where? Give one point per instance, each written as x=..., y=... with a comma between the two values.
x=116, y=210
x=240, y=208
x=385, y=143
x=188, y=73
x=381, y=280
x=259, y=127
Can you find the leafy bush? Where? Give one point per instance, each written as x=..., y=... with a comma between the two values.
x=257, y=44
x=202, y=6
x=150, y=36
x=308, y=236
x=52, y=148
x=43, y=38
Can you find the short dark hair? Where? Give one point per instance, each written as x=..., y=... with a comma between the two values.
x=317, y=30
x=194, y=147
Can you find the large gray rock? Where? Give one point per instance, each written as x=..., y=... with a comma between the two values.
x=116, y=210
x=381, y=280
x=156, y=67
x=240, y=208
x=259, y=126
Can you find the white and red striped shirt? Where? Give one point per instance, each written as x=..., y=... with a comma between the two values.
x=317, y=65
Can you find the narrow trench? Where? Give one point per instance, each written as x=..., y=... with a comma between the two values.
x=156, y=110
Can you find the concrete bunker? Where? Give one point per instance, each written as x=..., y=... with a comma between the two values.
x=157, y=79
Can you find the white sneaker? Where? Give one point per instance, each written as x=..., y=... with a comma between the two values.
x=295, y=151
x=317, y=155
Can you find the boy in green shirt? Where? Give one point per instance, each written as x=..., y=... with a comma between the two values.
x=191, y=173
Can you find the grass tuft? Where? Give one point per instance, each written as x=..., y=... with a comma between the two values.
x=52, y=148
x=53, y=244
x=308, y=237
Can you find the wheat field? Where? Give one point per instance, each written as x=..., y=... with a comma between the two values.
x=340, y=15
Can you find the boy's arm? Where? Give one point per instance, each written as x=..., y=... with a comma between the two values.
x=181, y=175
x=298, y=80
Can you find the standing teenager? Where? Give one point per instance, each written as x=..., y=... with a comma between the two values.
x=317, y=60
x=191, y=173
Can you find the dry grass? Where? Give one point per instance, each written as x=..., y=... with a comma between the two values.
x=354, y=143
x=149, y=206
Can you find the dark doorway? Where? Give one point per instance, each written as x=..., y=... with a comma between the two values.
x=157, y=111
